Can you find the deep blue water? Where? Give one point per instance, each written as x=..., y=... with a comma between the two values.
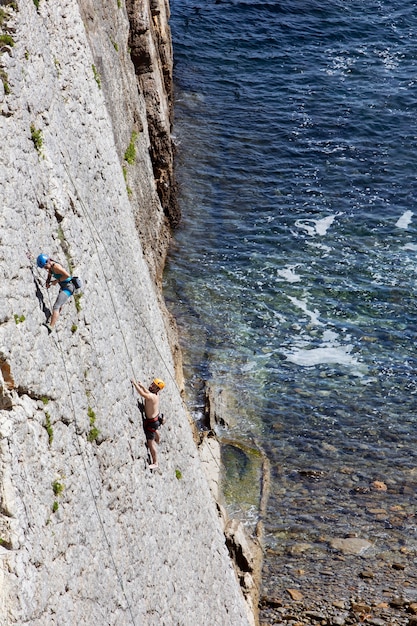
x=293, y=273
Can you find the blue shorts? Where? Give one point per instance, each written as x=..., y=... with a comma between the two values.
x=67, y=289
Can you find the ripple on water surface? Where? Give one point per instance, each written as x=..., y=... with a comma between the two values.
x=293, y=274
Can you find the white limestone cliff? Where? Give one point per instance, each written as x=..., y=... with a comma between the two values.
x=88, y=534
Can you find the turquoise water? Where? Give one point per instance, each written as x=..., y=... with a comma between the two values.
x=293, y=273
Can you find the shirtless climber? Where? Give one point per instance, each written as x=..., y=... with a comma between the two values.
x=153, y=420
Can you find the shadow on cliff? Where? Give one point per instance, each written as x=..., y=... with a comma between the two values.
x=39, y=295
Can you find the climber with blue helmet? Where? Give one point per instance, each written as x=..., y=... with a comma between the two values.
x=56, y=275
x=152, y=419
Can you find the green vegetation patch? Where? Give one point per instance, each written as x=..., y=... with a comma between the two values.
x=94, y=431
x=77, y=301
x=48, y=427
x=128, y=189
x=96, y=76
x=3, y=17
x=57, y=488
x=6, y=40
x=130, y=154
x=37, y=138
x=5, y=80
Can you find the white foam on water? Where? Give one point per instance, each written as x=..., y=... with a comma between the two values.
x=317, y=227
x=384, y=279
x=310, y=230
x=319, y=246
x=337, y=355
x=289, y=274
x=192, y=99
x=410, y=246
x=338, y=64
x=279, y=316
x=329, y=336
x=331, y=352
x=389, y=59
x=324, y=224
x=302, y=304
x=405, y=220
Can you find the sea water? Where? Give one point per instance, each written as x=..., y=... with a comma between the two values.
x=293, y=274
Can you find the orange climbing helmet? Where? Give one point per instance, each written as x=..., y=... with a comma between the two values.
x=159, y=383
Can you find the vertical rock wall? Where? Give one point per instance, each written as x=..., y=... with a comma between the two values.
x=88, y=534
x=151, y=52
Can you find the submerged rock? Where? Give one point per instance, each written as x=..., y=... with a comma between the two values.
x=351, y=545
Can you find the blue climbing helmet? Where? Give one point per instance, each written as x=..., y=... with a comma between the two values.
x=42, y=260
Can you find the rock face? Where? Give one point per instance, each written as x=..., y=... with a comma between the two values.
x=88, y=534
x=151, y=52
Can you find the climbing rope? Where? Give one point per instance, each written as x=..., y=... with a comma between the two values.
x=96, y=237
x=77, y=429
x=103, y=529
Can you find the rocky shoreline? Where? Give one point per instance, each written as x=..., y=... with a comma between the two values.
x=245, y=545
x=330, y=580
x=346, y=589
x=324, y=576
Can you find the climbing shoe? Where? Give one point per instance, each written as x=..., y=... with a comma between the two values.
x=49, y=327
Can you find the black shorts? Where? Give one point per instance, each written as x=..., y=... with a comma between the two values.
x=150, y=427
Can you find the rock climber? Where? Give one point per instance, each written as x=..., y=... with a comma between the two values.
x=60, y=276
x=152, y=420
